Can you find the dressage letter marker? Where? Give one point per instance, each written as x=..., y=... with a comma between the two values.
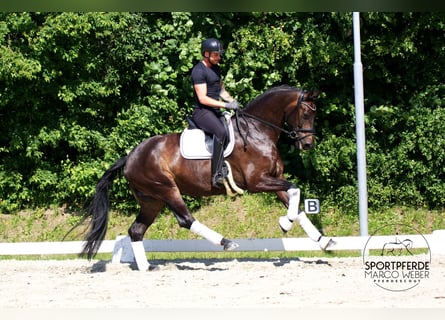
x=312, y=206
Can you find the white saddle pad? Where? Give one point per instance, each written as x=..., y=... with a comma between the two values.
x=192, y=143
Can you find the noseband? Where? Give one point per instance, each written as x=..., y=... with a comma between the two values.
x=294, y=134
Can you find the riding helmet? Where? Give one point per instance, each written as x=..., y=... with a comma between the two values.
x=212, y=45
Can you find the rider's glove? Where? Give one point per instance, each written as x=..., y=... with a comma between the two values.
x=232, y=105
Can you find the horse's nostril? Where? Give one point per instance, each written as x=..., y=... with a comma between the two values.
x=307, y=146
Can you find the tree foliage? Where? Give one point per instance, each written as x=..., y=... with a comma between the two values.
x=80, y=90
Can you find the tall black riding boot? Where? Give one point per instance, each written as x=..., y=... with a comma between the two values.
x=219, y=170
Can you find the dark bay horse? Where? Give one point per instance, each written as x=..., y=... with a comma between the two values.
x=158, y=175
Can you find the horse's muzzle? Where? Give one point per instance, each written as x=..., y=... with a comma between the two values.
x=306, y=143
x=304, y=138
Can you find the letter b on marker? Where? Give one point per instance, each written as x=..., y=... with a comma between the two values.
x=312, y=206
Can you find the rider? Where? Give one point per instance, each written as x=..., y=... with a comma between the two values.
x=208, y=88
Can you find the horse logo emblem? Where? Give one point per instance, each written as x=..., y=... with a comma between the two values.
x=397, y=247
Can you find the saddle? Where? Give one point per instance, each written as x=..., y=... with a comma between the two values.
x=194, y=143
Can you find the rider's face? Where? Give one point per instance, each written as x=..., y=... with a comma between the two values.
x=214, y=57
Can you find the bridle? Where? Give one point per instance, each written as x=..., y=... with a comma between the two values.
x=293, y=134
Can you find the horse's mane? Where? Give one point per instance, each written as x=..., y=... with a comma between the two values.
x=272, y=91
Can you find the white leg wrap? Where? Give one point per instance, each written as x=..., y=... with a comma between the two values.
x=308, y=227
x=325, y=242
x=285, y=223
x=294, y=204
x=139, y=255
x=205, y=232
x=292, y=211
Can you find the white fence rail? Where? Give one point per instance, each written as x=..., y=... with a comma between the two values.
x=435, y=243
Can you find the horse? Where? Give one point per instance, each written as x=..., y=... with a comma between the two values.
x=397, y=247
x=158, y=175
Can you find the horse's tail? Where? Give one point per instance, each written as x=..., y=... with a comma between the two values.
x=98, y=210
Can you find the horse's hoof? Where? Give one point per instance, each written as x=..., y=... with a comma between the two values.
x=153, y=268
x=230, y=245
x=326, y=242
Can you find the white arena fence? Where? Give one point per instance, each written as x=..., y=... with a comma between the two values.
x=124, y=251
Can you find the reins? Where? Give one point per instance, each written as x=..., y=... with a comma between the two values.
x=291, y=134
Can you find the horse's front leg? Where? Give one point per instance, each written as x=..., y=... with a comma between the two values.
x=291, y=200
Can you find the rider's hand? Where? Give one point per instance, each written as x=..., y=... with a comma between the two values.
x=232, y=105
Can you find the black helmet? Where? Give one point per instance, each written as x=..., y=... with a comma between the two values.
x=212, y=45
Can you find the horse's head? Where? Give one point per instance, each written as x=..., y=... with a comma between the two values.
x=298, y=108
x=300, y=115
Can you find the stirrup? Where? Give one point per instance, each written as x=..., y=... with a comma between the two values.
x=218, y=180
x=224, y=170
x=219, y=176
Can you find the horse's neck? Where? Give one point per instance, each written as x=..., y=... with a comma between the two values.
x=262, y=121
x=270, y=109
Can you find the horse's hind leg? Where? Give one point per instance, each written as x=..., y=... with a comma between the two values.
x=150, y=208
x=186, y=220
